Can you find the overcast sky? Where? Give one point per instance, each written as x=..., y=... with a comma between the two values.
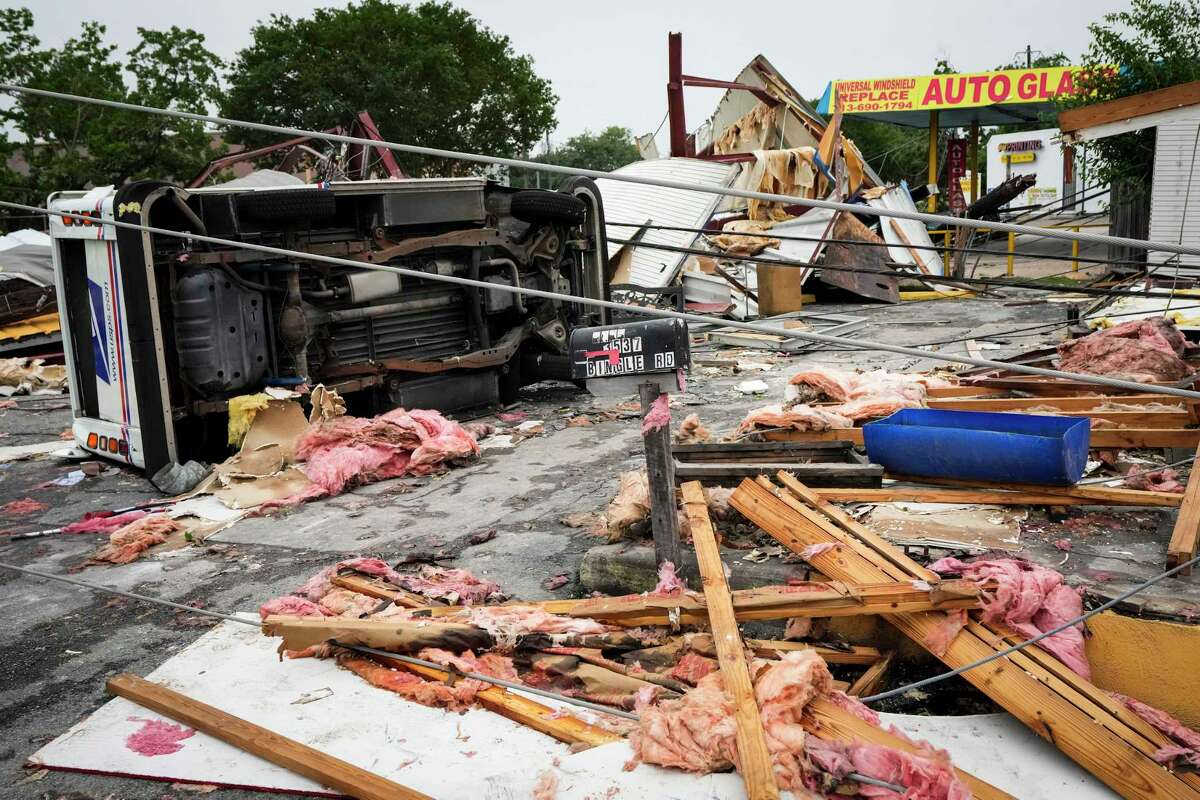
x=607, y=59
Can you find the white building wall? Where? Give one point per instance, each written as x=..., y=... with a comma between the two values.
x=1175, y=193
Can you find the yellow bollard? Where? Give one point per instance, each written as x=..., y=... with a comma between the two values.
x=1075, y=252
x=1012, y=248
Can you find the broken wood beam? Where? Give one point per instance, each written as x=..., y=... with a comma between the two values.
x=1186, y=534
x=257, y=740
x=398, y=636
x=852, y=655
x=827, y=721
x=381, y=589
x=918, y=494
x=1079, y=719
x=564, y=728
x=1065, y=403
x=757, y=768
x=869, y=681
x=1097, y=495
x=832, y=599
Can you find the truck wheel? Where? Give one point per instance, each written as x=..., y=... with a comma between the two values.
x=287, y=205
x=535, y=206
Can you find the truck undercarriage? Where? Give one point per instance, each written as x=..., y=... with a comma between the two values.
x=224, y=320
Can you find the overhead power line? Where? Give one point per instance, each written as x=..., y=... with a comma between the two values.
x=434, y=152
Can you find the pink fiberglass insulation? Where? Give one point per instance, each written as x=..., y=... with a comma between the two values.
x=669, y=584
x=292, y=606
x=343, y=452
x=1141, y=350
x=26, y=505
x=659, y=415
x=127, y=543
x=493, y=665
x=507, y=623
x=799, y=417
x=459, y=586
x=1187, y=750
x=321, y=584
x=1030, y=599
x=923, y=778
x=842, y=386
x=546, y=787
x=103, y=522
x=697, y=733
x=1159, y=480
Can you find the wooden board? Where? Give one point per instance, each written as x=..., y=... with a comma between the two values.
x=1186, y=533
x=757, y=769
x=869, y=681
x=1079, y=719
x=775, y=602
x=398, y=636
x=1130, y=107
x=520, y=709
x=660, y=471
x=918, y=494
x=377, y=587
x=817, y=474
x=273, y=747
x=1097, y=495
x=1069, y=403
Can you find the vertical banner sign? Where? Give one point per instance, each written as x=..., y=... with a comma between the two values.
x=956, y=171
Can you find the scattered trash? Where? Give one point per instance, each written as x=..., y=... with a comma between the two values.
x=753, y=387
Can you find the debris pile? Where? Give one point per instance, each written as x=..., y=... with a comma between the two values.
x=1145, y=350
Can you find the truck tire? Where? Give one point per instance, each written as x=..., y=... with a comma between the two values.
x=287, y=205
x=533, y=205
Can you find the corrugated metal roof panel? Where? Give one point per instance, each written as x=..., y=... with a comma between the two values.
x=638, y=203
x=898, y=199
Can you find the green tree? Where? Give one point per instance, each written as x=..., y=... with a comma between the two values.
x=76, y=145
x=613, y=147
x=1152, y=45
x=429, y=74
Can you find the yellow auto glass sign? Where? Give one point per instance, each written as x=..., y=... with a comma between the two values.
x=961, y=90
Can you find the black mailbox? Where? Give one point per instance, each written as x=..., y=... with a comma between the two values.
x=637, y=348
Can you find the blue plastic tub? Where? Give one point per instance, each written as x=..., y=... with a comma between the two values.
x=978, y=445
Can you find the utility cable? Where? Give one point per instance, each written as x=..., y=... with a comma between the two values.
x=769, y=233
x=1001, y=282
x=434, y=152
x=787, y=333
x=1034, y=640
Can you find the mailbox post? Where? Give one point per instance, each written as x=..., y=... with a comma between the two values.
x=647, y=358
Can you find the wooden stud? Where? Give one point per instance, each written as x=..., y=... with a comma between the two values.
x=377, y=587
x=866, y=683
x=257, y=740
x=918, y=494
x=832, y=599
x=1073, y=403
x=1069, y=712
x=908, y=245
x=399, y=636
x=565, y=728
x=1098, y=495
x=757, y=769
x=1187, y=525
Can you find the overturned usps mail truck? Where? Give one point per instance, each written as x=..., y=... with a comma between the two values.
x=160, y=331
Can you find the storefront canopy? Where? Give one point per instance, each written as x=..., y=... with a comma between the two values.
x=987, y=98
